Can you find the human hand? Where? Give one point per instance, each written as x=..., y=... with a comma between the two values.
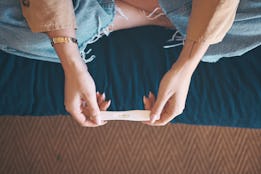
x=171, y=97
x=174, y=85
x=102, y=103
x=81, y=99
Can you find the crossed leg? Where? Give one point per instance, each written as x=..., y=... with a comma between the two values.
x=134, y=13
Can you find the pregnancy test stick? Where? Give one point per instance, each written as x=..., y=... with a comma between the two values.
x=132, y=115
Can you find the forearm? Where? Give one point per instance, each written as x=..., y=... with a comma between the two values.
x=68, y=53
x=190, y=56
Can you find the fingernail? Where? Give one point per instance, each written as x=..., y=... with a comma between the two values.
x=103, y=95
x=150, y=95
x=97, y=92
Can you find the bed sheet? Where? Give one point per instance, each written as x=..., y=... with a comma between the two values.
x=128, y=65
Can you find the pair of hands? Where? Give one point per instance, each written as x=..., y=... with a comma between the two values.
x=84, y=104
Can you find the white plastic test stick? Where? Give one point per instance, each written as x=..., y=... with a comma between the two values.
x=132, y=115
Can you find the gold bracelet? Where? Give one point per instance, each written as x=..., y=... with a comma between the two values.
x=63, y=39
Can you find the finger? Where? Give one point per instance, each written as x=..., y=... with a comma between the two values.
x=149, y=101
x=82, y=120
x=152, y=98
x=99, y=98
x=181, y=101
x=177, y=102
x=158, y=107
x=160, y=122
x=146, y=102
x=105, y=105
x=103, y=96
x=172, y=108
x=93, y=108
x=91, y=119
x=75, y=109
x=83, y=103
x=168, y=112
x=155, y=123
x=79, y=117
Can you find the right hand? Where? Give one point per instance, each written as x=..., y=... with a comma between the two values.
x=81, y=99
x=79, y=86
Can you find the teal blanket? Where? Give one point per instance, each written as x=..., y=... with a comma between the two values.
x=128, y=65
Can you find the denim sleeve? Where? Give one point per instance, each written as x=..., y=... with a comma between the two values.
x=47, y=15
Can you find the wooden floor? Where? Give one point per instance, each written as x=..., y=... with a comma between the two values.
x=35, y=145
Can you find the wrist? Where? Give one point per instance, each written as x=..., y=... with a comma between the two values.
x=68, y=51
x=186, y=68
x=74, y=65
x=70, y=57
x=190, y=56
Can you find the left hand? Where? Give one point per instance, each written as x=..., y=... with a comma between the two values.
x=171, y=97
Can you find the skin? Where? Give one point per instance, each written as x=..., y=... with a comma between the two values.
x=103, y=105
x=174, y=85
x=173, y=88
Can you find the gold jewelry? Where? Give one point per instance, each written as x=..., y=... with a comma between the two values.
x=63, y=39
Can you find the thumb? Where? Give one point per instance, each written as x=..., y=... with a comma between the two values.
x=93, y=108
x=158, y=108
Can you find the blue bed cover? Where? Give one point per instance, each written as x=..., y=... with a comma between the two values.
x=128, y=65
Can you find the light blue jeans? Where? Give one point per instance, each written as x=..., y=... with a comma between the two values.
x=16, y=37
